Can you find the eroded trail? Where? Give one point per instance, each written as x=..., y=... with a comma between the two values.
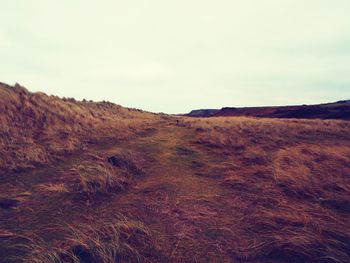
x=181, y=206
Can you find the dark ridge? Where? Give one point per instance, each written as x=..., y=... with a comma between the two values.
x=337, y=110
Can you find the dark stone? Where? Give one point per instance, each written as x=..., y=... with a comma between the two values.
x=200, y=129
x=288, y=255
x=339, y=205
x=196, y=164
x=7, y=203
x=180, y=150
x=124, y=162
x=83, y=254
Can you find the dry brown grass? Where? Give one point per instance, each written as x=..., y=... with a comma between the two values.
x=105, y=176
x=53, y=188
x=130, y=162
x=122, y=240
x=99, y=178
x=290, y=184
x=36, y=128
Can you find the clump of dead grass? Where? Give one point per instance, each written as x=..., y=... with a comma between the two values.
x=130, y=162
x=53, y=188
x=99, y=178
x=122, y=240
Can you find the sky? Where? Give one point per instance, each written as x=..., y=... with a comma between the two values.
x=177, y=55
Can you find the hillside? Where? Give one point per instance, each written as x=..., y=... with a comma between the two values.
x=96, y=182
x=36, y=128
x=337, y=110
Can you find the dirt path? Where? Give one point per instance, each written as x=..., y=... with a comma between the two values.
x=182, y=208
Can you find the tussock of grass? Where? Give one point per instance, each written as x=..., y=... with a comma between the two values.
x=119, y=241
x=53, y=188
x=99, y=178
x=107, y=175
x=129, y=161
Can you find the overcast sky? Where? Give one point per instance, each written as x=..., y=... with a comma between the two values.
x=176, y=55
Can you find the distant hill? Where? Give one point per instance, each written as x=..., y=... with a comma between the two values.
x=335, y=110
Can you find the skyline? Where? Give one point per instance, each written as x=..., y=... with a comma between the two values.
x=175, y=57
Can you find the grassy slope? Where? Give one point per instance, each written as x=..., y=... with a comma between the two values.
x=209, y=190
x=36, y=128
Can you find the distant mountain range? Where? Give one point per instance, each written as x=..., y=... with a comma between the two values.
x=335, y=110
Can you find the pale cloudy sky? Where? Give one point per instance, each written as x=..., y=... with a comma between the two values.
x=177, y=55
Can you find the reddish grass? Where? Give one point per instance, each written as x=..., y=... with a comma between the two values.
x=36, y=128
x=291, y=178
x=122, y=240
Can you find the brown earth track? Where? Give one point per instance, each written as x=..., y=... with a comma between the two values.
x=178, y=206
